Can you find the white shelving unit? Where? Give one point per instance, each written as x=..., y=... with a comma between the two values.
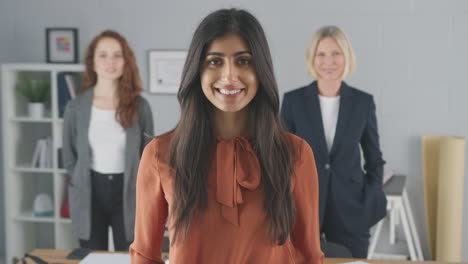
x=24, y=231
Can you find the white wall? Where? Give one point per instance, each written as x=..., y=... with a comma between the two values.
x=411, y=55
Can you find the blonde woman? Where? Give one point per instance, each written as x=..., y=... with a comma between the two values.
x=338, y=121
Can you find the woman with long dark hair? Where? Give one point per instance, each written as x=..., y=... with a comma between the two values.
x=232, y=184
x=103, y=138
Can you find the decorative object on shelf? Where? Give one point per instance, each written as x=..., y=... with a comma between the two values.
x=65, y=208
x=62, y=45
x=42, y=157
x=43, y=205
x=37, y=92
x=36, y=110
x=165, y=70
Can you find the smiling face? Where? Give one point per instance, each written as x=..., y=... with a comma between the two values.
x=108, y=59
x=329, y=61
x=228, y=76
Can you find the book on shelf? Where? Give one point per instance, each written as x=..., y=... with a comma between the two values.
x=71, y=85
x=60, y=158
x=63, y=93
x=42, y=156
x=67, y=85
x=37, y=151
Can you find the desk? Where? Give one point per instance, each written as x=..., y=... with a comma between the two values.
x=56, y=256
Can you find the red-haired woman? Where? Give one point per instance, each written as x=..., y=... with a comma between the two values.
x=104, y=134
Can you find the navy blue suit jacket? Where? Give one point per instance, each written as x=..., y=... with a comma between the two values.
x=356, y=191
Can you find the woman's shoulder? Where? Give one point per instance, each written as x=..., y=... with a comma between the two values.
x=295, y=140
x=160, y=144
x=143, y=101
x=298, y=91
x=357, y=92
x=303, y=157
x=296, y=144
x=82, y=97
x=144, y=107
x=300, y=147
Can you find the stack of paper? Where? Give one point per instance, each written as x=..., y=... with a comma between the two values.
x=114, y=258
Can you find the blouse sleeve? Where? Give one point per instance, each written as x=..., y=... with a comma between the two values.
x=306, y=233
x=151, y=210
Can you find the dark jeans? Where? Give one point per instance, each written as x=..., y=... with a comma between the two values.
x=107, y=210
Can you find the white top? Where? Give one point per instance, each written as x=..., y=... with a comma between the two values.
x=107, y=140
x=329, y=107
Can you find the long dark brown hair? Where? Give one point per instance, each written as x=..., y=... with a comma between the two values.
x=129, y=84
x=193, y=134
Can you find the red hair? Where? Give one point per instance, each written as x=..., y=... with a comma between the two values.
x=129, y=87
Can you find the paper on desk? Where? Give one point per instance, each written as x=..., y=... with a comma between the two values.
x=99, y=258
x=356, y=262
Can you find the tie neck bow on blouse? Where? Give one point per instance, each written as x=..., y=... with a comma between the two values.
x=237, y=167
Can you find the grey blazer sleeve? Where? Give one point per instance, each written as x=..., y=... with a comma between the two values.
x=69, y=150
x=146, y=123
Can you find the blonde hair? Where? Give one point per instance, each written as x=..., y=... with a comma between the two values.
x=343, y=42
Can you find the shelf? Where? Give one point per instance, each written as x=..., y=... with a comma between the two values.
x=44, y=67
x=22, y=182
x=64, y=220
x=37, y=170
x=25, y=119
x=28, y=216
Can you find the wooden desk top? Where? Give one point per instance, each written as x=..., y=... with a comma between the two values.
x=52, y=256
x=56, y=256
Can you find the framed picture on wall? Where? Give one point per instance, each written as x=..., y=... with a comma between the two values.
x=62, y=45
x=165, y=70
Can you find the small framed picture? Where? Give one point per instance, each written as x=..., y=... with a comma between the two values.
x=165, y=70
x=62, y=45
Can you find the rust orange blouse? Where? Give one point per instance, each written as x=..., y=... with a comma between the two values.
x=233, y=226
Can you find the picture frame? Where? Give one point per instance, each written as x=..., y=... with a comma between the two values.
x=165, y=70
x=62, y=45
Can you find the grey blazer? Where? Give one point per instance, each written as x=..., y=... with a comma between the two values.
x=77, y=160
